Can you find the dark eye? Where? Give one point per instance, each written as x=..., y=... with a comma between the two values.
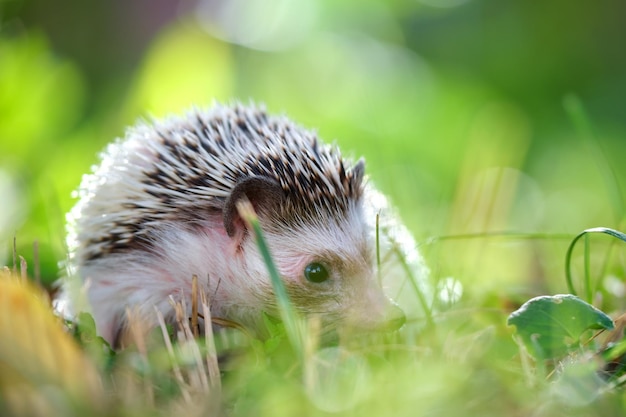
x=316, y=272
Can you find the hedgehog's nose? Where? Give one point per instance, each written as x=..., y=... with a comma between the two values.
x=394, y=319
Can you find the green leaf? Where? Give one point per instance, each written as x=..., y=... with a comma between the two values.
x=551, y=326
x=99, y=350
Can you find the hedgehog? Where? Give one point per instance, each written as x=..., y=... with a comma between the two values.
x=161, y=207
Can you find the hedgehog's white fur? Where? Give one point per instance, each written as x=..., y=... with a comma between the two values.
x=148, y=218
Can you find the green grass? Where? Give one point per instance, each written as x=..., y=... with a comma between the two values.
x=456, y=357
x=465, y=362
x=492, y=175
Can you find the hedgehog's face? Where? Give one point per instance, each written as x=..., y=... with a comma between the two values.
x=325, y=260
x=328, y=269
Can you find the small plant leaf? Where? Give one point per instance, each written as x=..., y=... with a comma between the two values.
x=551, y=326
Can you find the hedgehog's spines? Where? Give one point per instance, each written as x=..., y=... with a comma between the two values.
x=175, y=169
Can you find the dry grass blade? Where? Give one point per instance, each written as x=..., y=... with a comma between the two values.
x=213, y=370
x=137, y=332
x=230, y=324
x=193, y=376
x=15, y=255
x=191, y=351
x=194, y=305
x=170, y=350
x=23, y=268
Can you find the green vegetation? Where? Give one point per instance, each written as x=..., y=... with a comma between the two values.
x=496, y=129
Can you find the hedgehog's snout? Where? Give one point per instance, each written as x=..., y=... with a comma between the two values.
x=389, y=319
x=374, y=311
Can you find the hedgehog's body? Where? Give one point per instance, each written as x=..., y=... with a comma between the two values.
x=160, y=208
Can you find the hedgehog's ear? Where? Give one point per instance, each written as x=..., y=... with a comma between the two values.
x=264, y=193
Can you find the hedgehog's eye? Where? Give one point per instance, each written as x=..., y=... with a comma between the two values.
x=316, y=272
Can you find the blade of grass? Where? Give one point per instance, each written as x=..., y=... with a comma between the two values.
x=576, y=111
x=213, y=370
x=194, y=305
x=178, y=375
x=288, y=315
x=23, y=268
x=587, y=275
x=37, y=264
x=499, y=234
x=137, y=332
x=380, y=278
x=15, y=255
x=188, y=347
x=396, y=249
x=568, y=258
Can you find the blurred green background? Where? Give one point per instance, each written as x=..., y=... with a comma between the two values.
x=460, y=108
